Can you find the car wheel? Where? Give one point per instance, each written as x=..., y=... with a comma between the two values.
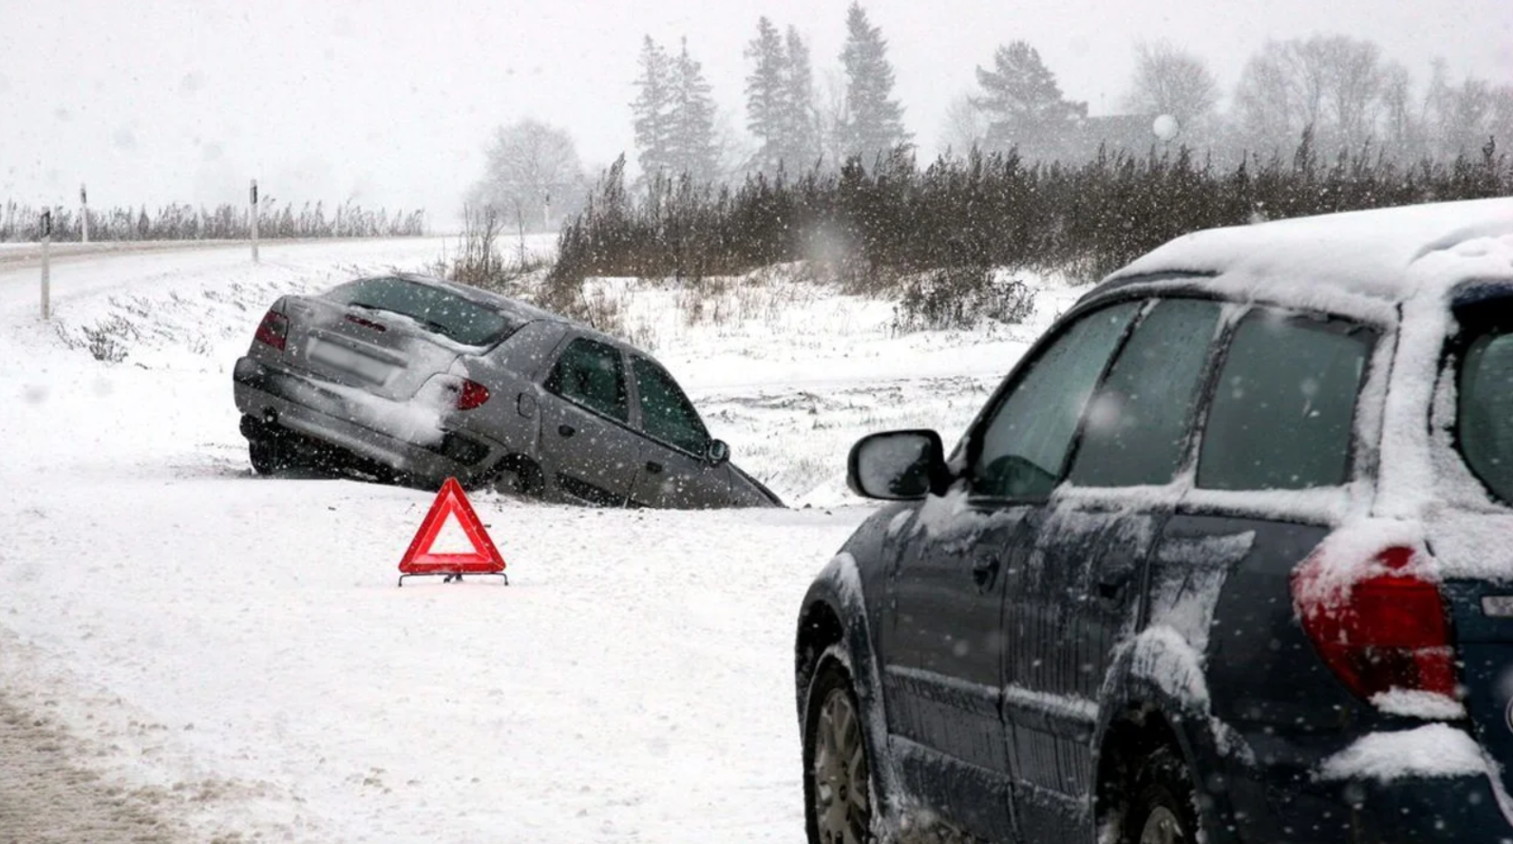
x=1164, y=808
x=518, y=477
x=837, y=768
x=267, y=456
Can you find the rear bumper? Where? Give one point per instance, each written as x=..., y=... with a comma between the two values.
x=281, y=401
x=1277, y=797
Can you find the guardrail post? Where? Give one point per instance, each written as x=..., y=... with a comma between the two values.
x=47, y=239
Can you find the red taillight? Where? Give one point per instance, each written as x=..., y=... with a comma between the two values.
x=273, y=330
x=471, y=395
x=1382, y=632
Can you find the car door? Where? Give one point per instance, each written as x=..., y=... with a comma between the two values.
x=944, y=651
x=673, y=469
x=588, y=450
x=1075, y=588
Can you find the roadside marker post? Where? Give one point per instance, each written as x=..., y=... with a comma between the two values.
x=420, y=561
x=47, y=242
x=253, y=217
x=84, y=213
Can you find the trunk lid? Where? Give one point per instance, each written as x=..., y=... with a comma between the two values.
x=381, y=352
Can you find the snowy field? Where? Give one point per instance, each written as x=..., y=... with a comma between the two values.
x=188, y=652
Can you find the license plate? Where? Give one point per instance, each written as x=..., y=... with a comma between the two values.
x=340, y=357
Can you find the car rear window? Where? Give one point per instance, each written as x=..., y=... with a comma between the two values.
x=1284, y=404
x=1485, y=419
x=439, y=310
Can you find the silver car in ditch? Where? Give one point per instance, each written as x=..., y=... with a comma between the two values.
x=413, y=379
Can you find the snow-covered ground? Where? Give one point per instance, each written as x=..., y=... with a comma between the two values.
x=228, y=655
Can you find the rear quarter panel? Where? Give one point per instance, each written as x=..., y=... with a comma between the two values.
x=512, y=372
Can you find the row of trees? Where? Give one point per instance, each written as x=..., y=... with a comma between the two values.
x=228, y=222
x=1342, y=89
x=533, y=175
x=871, y=224
x=674, y=111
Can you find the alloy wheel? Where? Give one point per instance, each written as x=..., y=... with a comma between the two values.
x=1162, y=827
x=842, y=803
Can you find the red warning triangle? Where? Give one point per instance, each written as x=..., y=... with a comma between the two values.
x=483, y=559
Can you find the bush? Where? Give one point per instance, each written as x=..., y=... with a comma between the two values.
x=960, y=298
x=870, y=225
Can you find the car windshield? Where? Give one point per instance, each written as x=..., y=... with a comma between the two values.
x=439, y=310
x=1485, y=421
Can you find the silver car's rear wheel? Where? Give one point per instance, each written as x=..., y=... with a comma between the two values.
x=267, y=456
x=837, y=770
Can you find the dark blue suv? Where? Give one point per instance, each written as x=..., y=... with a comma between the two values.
x=1228, y=557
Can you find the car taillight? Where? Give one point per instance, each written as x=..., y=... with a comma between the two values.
x=273, y=330
x=1385, y=631
x=471, y=395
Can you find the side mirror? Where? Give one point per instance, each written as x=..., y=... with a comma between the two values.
x=717, y=453
x=897, y=465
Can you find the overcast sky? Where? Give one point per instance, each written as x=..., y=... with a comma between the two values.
x=391, y=103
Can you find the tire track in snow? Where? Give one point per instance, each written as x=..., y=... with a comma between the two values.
x=46, y=797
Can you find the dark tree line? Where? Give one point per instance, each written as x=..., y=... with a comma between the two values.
x=984, y=210
x=226, y=222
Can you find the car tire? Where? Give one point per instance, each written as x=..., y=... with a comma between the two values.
x=267, y=455
x=519, y=477
x=838, y=791
x=1164, y=807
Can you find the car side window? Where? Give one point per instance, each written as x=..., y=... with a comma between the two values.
x=1136, y=426
x=666, y=414
x=1284, y=404
x=1024, y=443
x=592, y=374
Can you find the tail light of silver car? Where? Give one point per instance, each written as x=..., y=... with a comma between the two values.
x=471, y=394
x=273, y=330
x=1385, y=631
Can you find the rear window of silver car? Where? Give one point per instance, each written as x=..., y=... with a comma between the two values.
x=439, y=310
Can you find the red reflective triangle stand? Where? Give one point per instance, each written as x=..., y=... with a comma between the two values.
x=483, y=559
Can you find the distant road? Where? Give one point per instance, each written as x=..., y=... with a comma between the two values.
x=16, y=256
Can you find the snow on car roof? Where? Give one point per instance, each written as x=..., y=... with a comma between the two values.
x=1382, y=254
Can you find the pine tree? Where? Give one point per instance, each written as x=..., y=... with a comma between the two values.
x=766, y=96
x=1021, y=90
x=652, y=110
x=691, y=139
x=876, y=122
x=802, y=147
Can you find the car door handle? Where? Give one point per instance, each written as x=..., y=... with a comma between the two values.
x=566, y=430
x=654, y=467
x=985, y=571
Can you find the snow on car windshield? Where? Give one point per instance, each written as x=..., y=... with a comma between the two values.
x=438, y=310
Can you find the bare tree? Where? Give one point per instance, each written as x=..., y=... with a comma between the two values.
x=1402, y=134
x=532, y=176
x=1171, y=81
x=1331, y=84
x=964, y=127
x=1353, y=80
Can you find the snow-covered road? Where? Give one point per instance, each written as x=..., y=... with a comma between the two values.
x=228, y=655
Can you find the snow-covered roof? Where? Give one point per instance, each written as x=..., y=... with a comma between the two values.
x=1375, y=254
